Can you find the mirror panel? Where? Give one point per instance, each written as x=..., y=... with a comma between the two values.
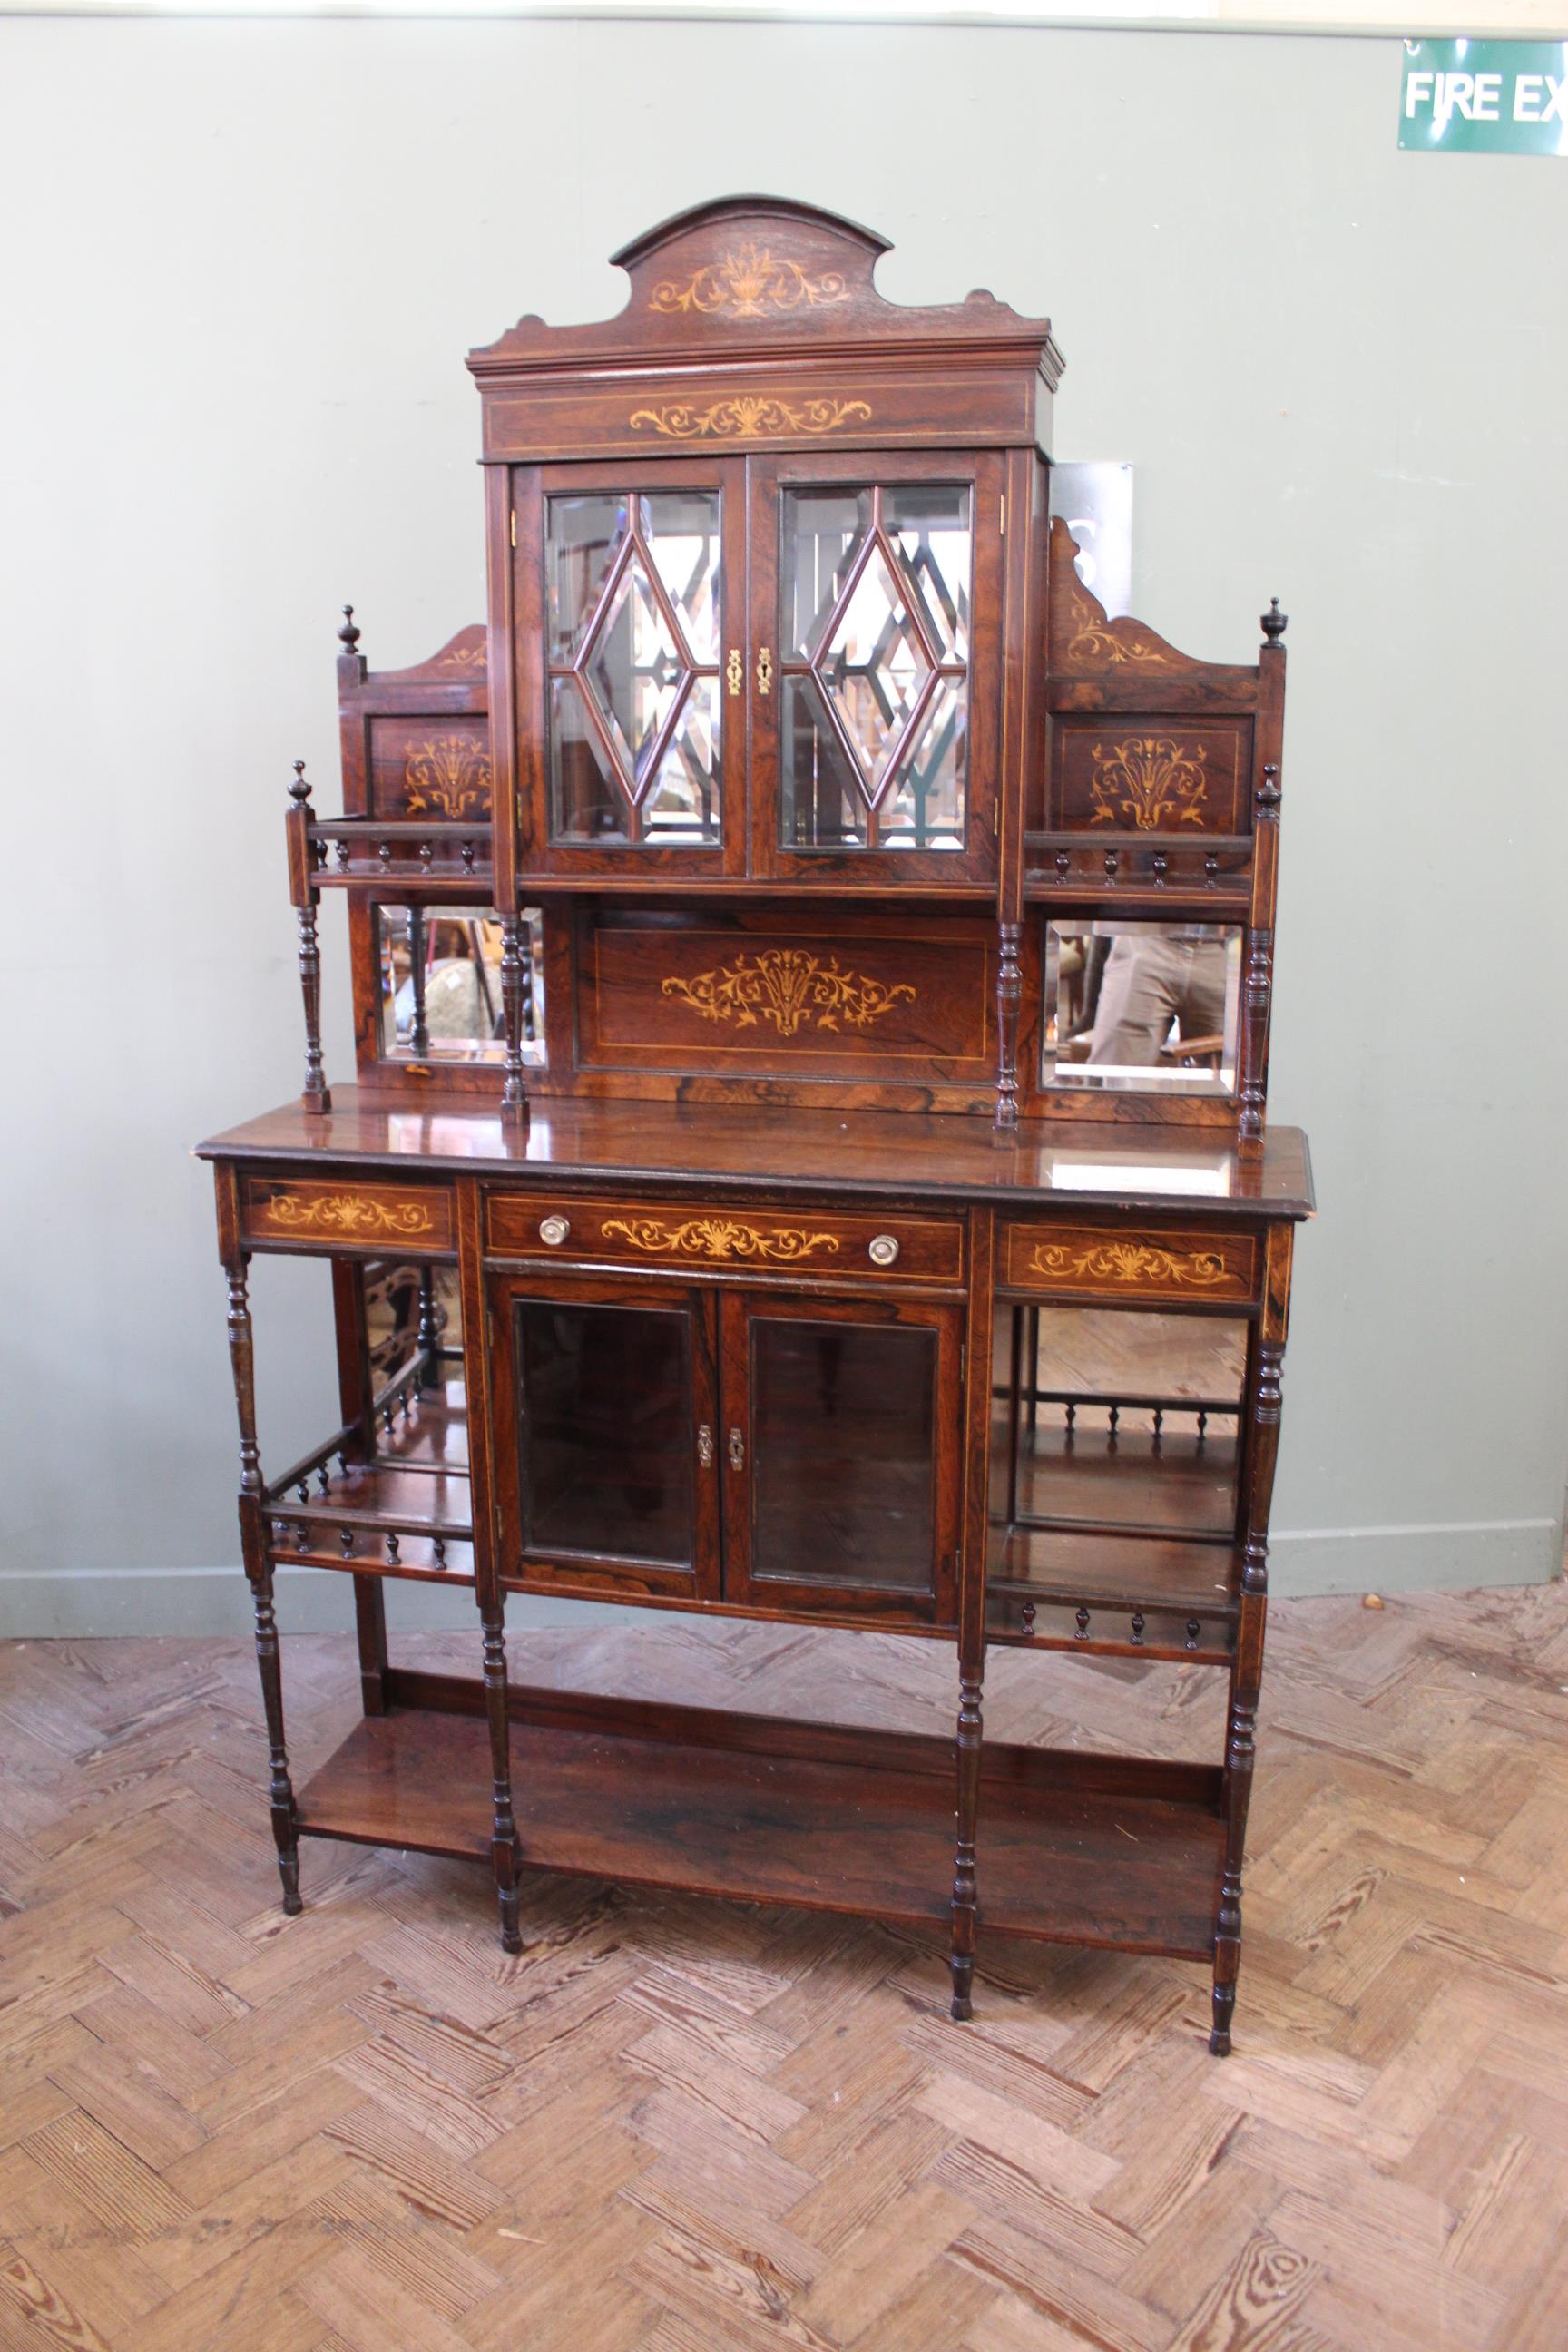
x=440, y=978
x=1141, y=1007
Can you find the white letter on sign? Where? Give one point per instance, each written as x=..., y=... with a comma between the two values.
x=1556, y=104
x=1527, y=99
x=1417, y=92
x=1489, y=87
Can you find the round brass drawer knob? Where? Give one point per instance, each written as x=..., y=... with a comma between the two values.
x=883, y=1250
x=553, y=1231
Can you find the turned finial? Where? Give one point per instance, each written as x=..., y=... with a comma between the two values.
x=347, y=635
x=299, y=791
x=1273, y=622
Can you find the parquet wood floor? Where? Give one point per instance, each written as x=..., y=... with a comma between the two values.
x=673, y=2126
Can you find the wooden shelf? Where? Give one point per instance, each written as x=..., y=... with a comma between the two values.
x=415, y=1489
x=1175, y=1585
x=1180, y=1486
x=1119, y=1852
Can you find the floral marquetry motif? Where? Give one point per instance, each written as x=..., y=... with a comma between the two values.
x=447, y=776
x=1138, y=1262
x=748, y=416
x=791, y=988
x=1149, y=779
x=364, y=1214
x=748, y=283
x=349, y=1213
x=717, y=1238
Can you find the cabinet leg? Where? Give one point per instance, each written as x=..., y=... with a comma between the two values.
x=503, y=1831
x=370, y=1627
x=259, y=1569
x=280, y=1789
x=1240, y=1745
x=964, y=1905
x=1226, y=1962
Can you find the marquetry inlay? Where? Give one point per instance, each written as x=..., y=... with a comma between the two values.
x=790, y=988
x=447, y=776
x=1146, y=778
x=748, y=416
x=1133, y=1262
x=350, y=1214
x=748, y=284
x=718, y=1237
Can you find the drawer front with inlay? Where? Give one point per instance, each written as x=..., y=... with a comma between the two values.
x=343, y=1214
x=1171, y=1265
x=610, y=1232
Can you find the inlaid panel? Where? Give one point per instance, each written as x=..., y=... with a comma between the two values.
x=1107, y=1261
x=900, y=1000
x=1136, y=774
x=344, y=1213
x=608, y=1230
x=437, y=768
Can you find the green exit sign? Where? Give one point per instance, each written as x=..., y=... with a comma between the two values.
x=1485, y=98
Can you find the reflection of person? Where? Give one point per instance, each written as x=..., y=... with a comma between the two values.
x=1154, y=977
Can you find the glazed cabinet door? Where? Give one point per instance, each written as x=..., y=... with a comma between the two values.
x=876, y=675
x=629, y=605
x=840, y=1455
x=604, y=1414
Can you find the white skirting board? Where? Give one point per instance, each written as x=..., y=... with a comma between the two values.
x=82, y=1602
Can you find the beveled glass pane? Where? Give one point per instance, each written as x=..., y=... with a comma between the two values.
x=925, y=808
x=681, y=529
x=634, y=667
x=581, y=539
x=821, y=805
x=930, y=525
x=587, y=804
x=876, y=666
x=1145, y=1008
x=440, y=983
x=682, y=805
x=822, y=533
x=843, y=1455
x=605, y=1429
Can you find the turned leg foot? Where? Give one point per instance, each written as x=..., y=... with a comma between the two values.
x=963, y=1965
x=289, y=1871
x=1223, y=2010
x=506, y=1899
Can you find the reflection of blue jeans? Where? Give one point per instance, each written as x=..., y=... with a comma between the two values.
x=1147, y=984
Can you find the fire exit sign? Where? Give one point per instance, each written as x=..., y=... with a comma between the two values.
x=1485, y=98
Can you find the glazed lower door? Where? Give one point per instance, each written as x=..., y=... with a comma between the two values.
x=605, y=1410
x=840, y=1454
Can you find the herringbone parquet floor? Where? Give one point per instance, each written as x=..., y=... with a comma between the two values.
x=672, y=2126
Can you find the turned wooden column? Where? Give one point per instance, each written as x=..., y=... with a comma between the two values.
x=966, y=1886
x=259, y=1569
x=971, y=1570
x=503, y=1827
x=1267, y=1357
x=303, y=889
x=514, y=1093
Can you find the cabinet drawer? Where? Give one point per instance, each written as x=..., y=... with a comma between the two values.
x=609, y=1232
x=414, y=1220
x=1116, y=1262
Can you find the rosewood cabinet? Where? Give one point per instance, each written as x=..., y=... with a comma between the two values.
x=809, y=1156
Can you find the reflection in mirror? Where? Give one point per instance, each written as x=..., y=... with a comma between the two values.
x=1115, y=1446
x=440, y=984
x=1144, y=1007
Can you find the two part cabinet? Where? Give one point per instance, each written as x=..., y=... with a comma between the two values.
x=812, y=978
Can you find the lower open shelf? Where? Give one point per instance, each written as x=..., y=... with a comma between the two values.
x=1122, y=1852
